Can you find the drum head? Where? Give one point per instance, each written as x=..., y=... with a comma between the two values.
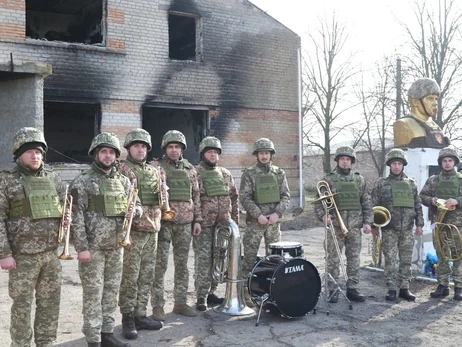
x=285, y=245
x=296, y=287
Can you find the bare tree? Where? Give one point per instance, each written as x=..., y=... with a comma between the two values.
x=327, y=74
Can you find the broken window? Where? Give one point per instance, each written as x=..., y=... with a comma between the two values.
x=65, y=20
x=192, y=123
x=69, y=130
x=184, y=35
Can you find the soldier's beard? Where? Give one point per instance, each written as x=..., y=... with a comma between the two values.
x=104, y=166
x=209, y=163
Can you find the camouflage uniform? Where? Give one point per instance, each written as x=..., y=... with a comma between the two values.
x=213, y=209
x=254, y=230
x=93, y=231
x=397, y=235
x=32, y=242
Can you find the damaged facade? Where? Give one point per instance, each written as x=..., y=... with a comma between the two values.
x=212, y=67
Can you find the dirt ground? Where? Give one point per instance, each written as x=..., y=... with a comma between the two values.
x=425, y=322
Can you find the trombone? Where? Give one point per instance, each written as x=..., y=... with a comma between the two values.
x=64, y=227
x=126, y=227
x=167, y=213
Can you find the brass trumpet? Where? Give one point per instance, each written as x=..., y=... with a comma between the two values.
x=167, y=213
x=126, y=227
x=65, y=226
x=326, y=197
x=446, y=237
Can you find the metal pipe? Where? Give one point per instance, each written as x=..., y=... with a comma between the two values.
x=300, y=126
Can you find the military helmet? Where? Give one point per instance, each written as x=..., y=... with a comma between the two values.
x=459, y=167
x=210, y=142
x=345, y=151
x=105, y=140
x=423, y=87
x=448, y=152
x=173, y=136
x=263, y=144
x=28, y=135
x=396, y=154
x=138, y=135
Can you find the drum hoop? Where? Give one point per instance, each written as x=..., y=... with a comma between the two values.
x=285, y=245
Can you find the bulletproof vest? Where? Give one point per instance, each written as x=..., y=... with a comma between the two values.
x=41, y=199
x=111, y=200
x=434, y=139
x=178, y=181
x=148, y=185
x=214, y=182
x=267, y=188
x=347, y=197
x=401, y=193
x=446, y=189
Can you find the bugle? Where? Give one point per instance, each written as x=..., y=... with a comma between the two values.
x=65, y=226
x=126, y=227
x=446, y=237
x=167, y=213
x=382, y=217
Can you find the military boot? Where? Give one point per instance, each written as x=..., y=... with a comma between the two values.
x=333, y=296
x=406, y=294
x=158, y=313
x=212, y=300
x=184, y=310
x=200, y=304
x=109, y=340
x=457, y=293
x=147, y=323
x=391, y=295
x=440, y=292
x=128, y=326
x=355, y=295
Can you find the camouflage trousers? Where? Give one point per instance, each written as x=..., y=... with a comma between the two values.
x=252, y=237
x=40, y=273
x=138, y=273
x=180, y=237
x=352, y=245
x=203, y=256
x=397, y=247
x=443, y=271
x=100, y=285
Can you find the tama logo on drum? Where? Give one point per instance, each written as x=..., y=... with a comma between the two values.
x=296, y=268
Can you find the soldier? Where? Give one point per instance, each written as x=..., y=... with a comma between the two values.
x=184, y=201
x=446, y=185
x=31, y=211
x=399, y=194
x=100, y=205
x=459, y=168
x=140, y=259
x=219, y=199
x=355, y=208
x=265, y=196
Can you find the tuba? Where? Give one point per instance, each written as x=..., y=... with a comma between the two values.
x=65, y=226
x=382, y=217
x=130, y=213
x=446, y=237
x=227, y=267
x=167, y=213
x=326, y=197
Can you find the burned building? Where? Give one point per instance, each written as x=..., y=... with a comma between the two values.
x=212, y=67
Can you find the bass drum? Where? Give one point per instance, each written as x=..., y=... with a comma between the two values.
x=292, y=284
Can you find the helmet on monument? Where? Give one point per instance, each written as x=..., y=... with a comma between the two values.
x=173, y=136
x=396, y=154
x=28, y=138
x=105, y=140
x=138, y=135
x=345, y=151
x=263, y=144
x=210, y=142
x=423, y=87
x=448, y=152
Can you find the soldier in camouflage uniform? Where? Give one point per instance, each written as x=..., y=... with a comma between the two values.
x=140, y=259
x=265, y=196
x=446, y=185
x=399, y=194
x=355, y=208
x=219, y=199
x=31, y=212
x=184, y=200
x=99, y=209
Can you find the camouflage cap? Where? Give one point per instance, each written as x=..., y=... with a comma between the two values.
x=345, y=151
x=173, y=136
x=105, y=140
x=423, y=87
x=448, y=152
x=263, y=144
x=210, y=142
x=138, y=135
x=28, y=135
x=396, y=154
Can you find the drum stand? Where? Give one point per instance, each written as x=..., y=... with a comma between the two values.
x=326, y=276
